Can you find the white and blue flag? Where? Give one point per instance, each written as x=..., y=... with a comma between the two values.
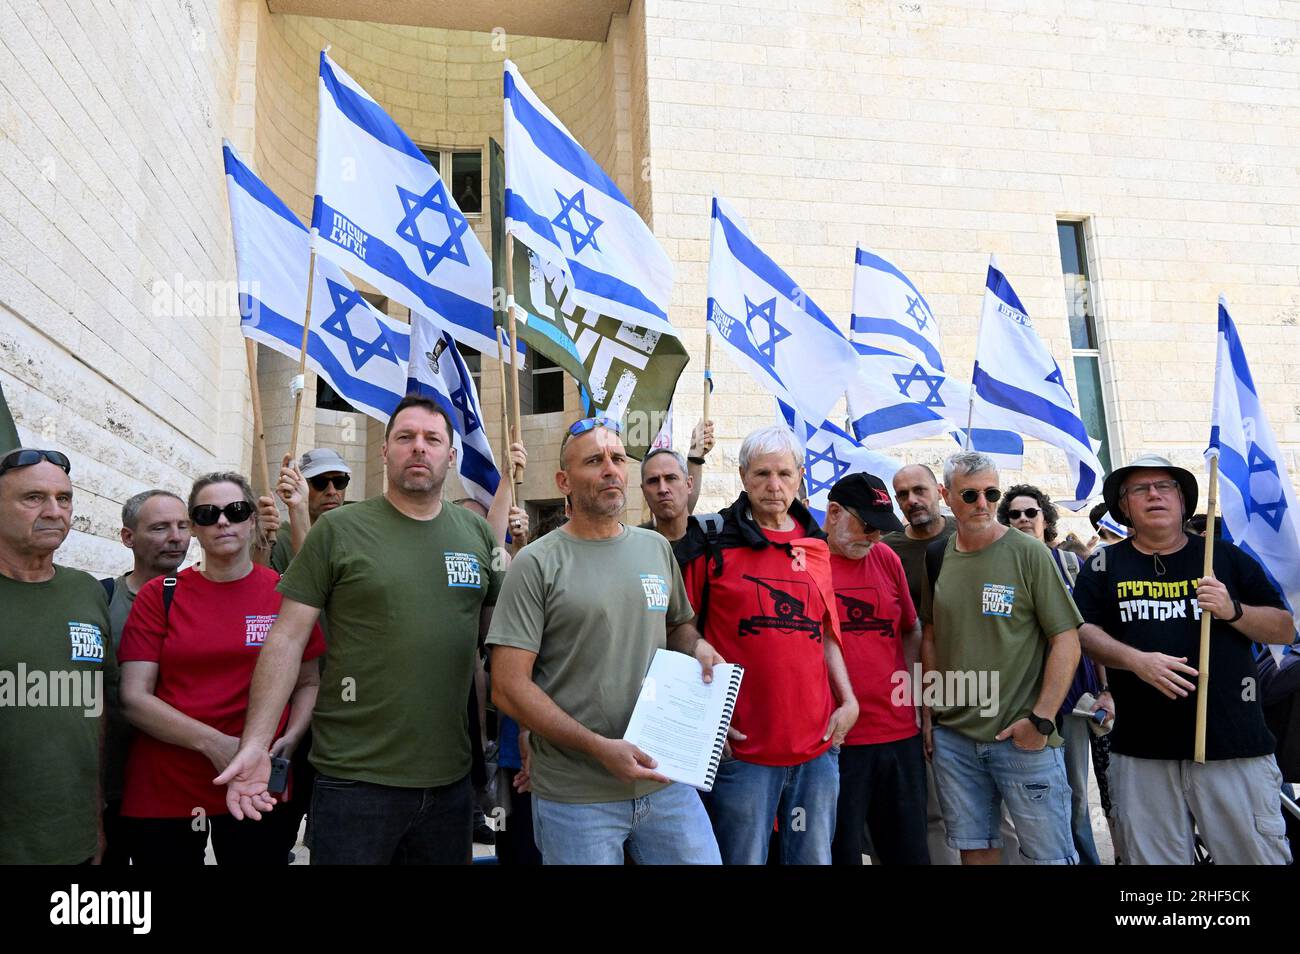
x=383, y=213
x=562, y=205
x=1019, y=387
x=901, y=391
x=830, y=454
x=361, y=353
x=438, y=371
x=770, y=326
x=1256, y=498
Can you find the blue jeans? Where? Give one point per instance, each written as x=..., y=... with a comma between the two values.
x=667, y=827
x=973, y=778
x=747, y=798
x=1078, y=745
x=360, y=823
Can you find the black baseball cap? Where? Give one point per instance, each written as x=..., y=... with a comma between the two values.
x=867, y=498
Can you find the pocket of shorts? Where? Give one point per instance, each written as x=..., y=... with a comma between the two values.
x=1270, y=824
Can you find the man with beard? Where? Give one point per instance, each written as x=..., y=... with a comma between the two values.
x=315, y=487
x=917, y=493
x=581, y=616
x=408, y=585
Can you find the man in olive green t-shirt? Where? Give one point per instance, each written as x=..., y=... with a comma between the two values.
x=999, y=648
x=55, y=655
x=407, y=581
x=581, y=616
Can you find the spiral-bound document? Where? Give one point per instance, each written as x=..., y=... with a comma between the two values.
x=681, y=721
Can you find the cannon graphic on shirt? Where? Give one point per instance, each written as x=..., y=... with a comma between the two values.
x=862, y=617
x=789, y=616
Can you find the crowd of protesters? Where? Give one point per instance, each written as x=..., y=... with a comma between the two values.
x=934, y=689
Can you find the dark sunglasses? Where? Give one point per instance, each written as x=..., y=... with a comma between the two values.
x=1030, y=512
x=205, y=515
x=340, y=481
x=991, y=494
x=26, y=458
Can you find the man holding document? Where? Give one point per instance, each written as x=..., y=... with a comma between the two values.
x=580, y=617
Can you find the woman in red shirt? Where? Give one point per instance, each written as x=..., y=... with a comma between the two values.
x=186, y=669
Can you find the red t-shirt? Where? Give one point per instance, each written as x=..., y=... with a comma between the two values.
x=206, y=651
x=785, y=697
x=875, y=610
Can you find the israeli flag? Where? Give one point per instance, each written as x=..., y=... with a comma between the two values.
x=1019, y=387
x=361, y=353
x=770, y=326
x=438, y=371
x=831, y=454
x=383, y=213
x=901, y=391
x=1256, y=498
x=564, y=207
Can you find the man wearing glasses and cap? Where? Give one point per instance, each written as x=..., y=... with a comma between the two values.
x=582, y=613
x=1142, y=600
x=315, y=487
x=882, y=763
x=999, y=649
x=54, y=632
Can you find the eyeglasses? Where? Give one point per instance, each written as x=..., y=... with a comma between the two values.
x=340, y=481
x=1161, y=487
x=1030, y=512
x=26, y=458
x=205, y=515
x=991, y=494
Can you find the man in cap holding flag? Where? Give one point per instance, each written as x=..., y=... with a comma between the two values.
x=1142, y=600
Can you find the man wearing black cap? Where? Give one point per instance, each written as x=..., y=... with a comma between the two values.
x=1142, y=600
x=882, y=764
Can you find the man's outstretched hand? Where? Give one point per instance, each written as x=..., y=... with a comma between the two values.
x=246, y=778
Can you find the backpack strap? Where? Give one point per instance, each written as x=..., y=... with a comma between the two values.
x=110, y=587
x=169, y=594
x=711, y=524
x=934, y=560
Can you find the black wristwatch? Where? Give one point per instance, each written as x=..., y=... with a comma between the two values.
x=695, y=460
x=1045, y=726
x=1236, y=604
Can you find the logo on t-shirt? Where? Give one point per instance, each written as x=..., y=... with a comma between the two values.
x=783, y=603
x=256, y=628
x=87, y=642
x=462, y=568
x=656, y=592
x=999, y=598
x=859, y=612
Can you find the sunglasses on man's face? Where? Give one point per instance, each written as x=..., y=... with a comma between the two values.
x=340, y=481
x=206, y=515
x=26, y=458
x=1030, y=512
x=991, y=494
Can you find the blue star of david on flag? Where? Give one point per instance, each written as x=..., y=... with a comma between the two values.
x=828, y=456
x=776, y=333
x=462, y=403
x=437, y=202
x=931, y=381
x=1055, y=377
x=917, y=313
x=564, y=221
x=361, y=351
x=1270, y=512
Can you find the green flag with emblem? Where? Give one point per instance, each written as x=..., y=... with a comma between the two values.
x=8, y=430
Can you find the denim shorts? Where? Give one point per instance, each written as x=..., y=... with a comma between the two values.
x=973, y=778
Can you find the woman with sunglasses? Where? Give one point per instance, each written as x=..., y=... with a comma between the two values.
x=1027, y=509
x=187, y=660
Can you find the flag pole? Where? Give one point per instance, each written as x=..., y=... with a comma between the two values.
x=505, y=418
x=259, y=432
x=1203, y=664
x=300, y=382
x=516, y=433
x=708, y=369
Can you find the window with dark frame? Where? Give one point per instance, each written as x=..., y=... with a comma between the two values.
x=1083, y=333
x=547, y=385
x=462, y=174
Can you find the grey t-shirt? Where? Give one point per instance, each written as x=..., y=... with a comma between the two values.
x=117, y=732
x=594, y=612
x=912, y=553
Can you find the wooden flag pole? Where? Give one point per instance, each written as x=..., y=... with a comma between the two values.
x=302, y=357
x=505, y=418
x=708, y=369
x=1203, y=664
x=259, y=432
x=516, y=432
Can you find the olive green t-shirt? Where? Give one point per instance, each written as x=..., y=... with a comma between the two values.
x=993, y=611
x=55, y=656
x=594, y=612
x=117, y=732
x=281, y=552
x=403, y=597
